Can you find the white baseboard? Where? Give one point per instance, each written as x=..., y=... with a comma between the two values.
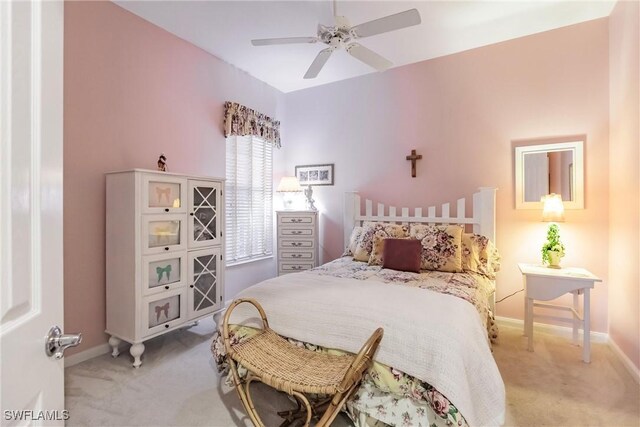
x=631, y=367
x=87, y=354
x=563, y=331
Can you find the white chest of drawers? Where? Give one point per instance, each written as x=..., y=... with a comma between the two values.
x=297, y=241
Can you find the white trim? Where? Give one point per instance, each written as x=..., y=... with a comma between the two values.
x=566, y=332
x=633, y=369
x=87, y=354
x=563, y=331
x=248, y=260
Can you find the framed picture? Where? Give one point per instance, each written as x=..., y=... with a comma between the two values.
x=315, y=174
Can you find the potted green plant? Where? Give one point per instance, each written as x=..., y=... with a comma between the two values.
x=553, y=249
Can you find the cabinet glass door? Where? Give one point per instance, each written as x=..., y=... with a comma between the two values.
x=163, y=311
x=205, y=295
x=163, y=194
x=163, y=233
x=164, y=272
x=205, y=212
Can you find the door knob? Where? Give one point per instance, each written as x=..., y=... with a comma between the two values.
x=55, y=343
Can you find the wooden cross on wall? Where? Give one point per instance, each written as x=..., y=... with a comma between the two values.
x=414, y=157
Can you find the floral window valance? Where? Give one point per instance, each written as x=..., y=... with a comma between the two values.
x=240, y=121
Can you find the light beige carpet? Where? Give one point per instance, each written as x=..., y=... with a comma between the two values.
x=178, y=385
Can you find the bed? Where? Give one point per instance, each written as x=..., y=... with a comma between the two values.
x=434, y=366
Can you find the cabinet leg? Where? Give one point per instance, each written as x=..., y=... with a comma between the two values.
x=136, y=351
x=114, y=342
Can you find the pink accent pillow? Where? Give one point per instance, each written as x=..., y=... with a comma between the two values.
x=402, y=254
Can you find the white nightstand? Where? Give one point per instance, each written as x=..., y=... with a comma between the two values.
x=542, y=283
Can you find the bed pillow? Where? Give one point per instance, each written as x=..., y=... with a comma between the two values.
x=441, y=246
x=377, y=250
x=372, y=229
x=353, y=241
x=479, y=255
x=402, y=254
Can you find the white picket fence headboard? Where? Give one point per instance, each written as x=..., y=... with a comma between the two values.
x=483, y=218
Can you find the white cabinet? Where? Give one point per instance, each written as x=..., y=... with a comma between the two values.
x=164, y=266
x=297, y=241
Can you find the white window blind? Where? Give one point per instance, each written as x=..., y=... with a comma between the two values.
x=249, y=201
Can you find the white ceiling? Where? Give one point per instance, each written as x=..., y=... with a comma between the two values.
x=225, y=28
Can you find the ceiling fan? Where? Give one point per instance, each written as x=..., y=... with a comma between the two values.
x=344, y=36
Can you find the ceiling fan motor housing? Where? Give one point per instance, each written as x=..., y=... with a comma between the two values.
x=334, y=36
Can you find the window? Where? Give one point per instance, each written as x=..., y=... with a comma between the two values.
x=249, y=201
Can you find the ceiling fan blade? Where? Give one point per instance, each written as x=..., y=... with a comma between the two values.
x=369, y=57
x=400, y=20
x=318, y=63
x=284, y=40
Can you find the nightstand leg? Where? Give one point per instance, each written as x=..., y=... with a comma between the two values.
x=586, y=327
x=526, y=306
x=529, y=323
x=576, y=321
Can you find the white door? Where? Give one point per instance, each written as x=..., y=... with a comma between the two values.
x=31, y=94
x=536, y=176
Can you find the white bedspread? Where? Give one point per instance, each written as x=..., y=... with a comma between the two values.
x=434, y=337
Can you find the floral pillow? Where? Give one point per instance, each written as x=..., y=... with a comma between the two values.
x=353, y=241
x=372, y=229
x=479, y=255
x=377, y=249
x=441, y=246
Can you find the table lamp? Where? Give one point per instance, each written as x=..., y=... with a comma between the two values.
x=288, y=186
x=552, y=211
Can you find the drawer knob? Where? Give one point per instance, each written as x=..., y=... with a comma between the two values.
x=191, y=214
x=166, y=209
x=296, y=244
x=166, y=287
x=166, y=326
x=191, y=286
x=296, y=232
x=166, y=248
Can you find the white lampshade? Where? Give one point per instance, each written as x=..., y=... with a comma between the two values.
x=553, y=209
x=289, y=184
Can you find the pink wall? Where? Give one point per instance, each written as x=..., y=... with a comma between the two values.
x=624, y=184
x=462, y=112
x=132, y=90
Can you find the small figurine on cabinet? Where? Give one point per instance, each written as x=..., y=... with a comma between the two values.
x=162, y=163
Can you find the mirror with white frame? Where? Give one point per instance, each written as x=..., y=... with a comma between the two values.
x=550, y=168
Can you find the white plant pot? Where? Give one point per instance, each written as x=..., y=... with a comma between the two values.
x=554, y=259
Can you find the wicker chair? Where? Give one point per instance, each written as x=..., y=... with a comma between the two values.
x=296, y=371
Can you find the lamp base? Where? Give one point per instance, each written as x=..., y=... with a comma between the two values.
x=287, y=200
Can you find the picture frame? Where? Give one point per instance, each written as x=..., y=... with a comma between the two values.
x=315, y=174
